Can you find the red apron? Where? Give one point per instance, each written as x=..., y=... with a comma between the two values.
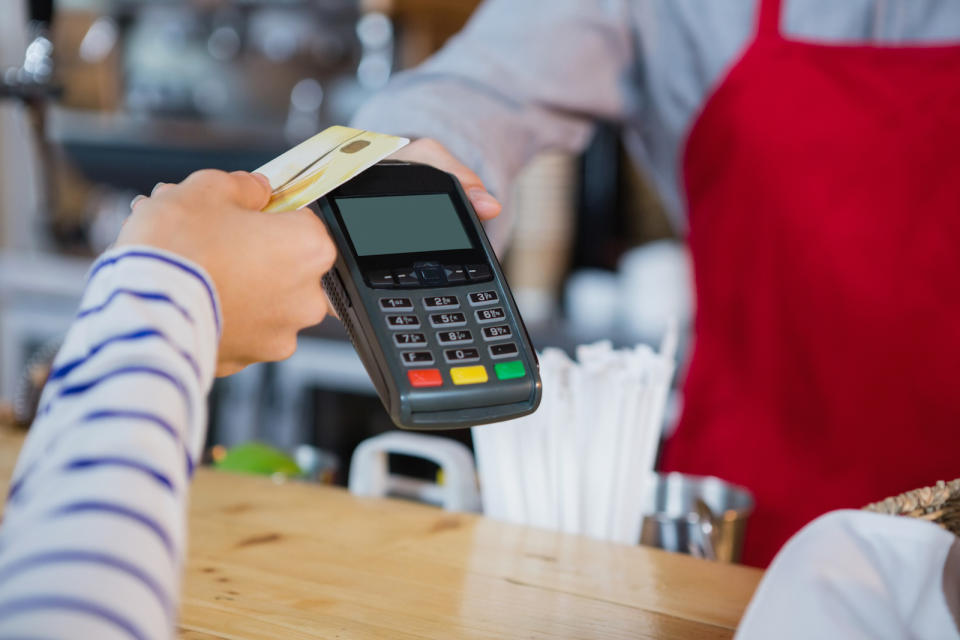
x=823, y=185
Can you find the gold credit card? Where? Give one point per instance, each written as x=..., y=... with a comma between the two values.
x=313, y=168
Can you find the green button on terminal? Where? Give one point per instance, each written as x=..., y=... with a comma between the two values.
x=509, y=370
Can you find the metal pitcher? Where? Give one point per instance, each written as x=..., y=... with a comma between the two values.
x=700, y=515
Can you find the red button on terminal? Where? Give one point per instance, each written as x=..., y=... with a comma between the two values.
x=425, y=377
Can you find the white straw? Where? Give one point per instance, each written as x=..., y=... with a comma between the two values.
x=581, y=463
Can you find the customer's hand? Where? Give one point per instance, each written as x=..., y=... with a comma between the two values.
x=431, y=152
x=266, y=266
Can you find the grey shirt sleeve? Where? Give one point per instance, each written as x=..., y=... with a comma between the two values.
x=522, y=77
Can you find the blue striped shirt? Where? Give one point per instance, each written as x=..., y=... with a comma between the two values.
x=93, y=533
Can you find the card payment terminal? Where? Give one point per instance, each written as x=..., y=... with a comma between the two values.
x=422, y=296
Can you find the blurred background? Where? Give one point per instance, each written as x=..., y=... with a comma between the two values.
x=101, y=99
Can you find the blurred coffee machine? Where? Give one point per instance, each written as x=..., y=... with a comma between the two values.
x=26, y=72
x=152, y=90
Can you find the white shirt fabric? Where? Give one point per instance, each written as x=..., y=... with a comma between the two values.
x=525, y=76
x=93, y=535
x=857, y=576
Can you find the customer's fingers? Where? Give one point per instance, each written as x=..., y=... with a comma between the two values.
x=332, y=310
x=313, y=239
x=252, y=190
x=309, y=243
x=159, y=188
x=238, y=188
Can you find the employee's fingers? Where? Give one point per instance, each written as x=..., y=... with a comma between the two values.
x=484, y=204
x=435, y=154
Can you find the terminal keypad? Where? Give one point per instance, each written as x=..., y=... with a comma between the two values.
x=472, y=345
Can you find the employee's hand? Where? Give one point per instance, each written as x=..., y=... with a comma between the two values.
x=266, y=266
x=435, y=154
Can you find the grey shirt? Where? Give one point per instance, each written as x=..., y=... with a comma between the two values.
x=526, y=76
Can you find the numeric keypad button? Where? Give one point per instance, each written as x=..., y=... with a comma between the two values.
x=403, y=322
x=462, y=336
x=444, y=320
x=415, y=358
x=490, y=315
x=396, y=304
x=504, y=350
x=436, y=303
x=478, y=298
x=458, y=356
x=498, y=332
x=409, y=339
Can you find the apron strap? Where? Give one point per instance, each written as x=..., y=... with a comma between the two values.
x=768, y=24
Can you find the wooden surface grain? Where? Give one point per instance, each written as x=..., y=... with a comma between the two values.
x=299, y=561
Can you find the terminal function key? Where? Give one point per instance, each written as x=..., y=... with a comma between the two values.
x=498, y=332
x=469, y=375
x=448, y=319
x=403, y=322
x=381, y=278
x=406, y=278
x=503, y=350
x=490, y=315
x=441, y=302
x=509, y=370
x=483, y=297
x=424, y=377
x=430, y=274
x=409, y=339
x=396, y=304
x=455, y=273
x=455, y=337
x=461, y=355
x=478, y=272
x=411, y=358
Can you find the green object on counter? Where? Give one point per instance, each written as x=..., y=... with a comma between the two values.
x=258, y=458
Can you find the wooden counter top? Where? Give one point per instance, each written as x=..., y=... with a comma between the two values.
x=295, y=561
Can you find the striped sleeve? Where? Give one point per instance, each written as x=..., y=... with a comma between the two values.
x=93, y=534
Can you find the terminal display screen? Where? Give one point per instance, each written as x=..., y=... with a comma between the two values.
x=385, y=225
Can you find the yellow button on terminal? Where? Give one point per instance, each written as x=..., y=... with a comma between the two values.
x=469, y=375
